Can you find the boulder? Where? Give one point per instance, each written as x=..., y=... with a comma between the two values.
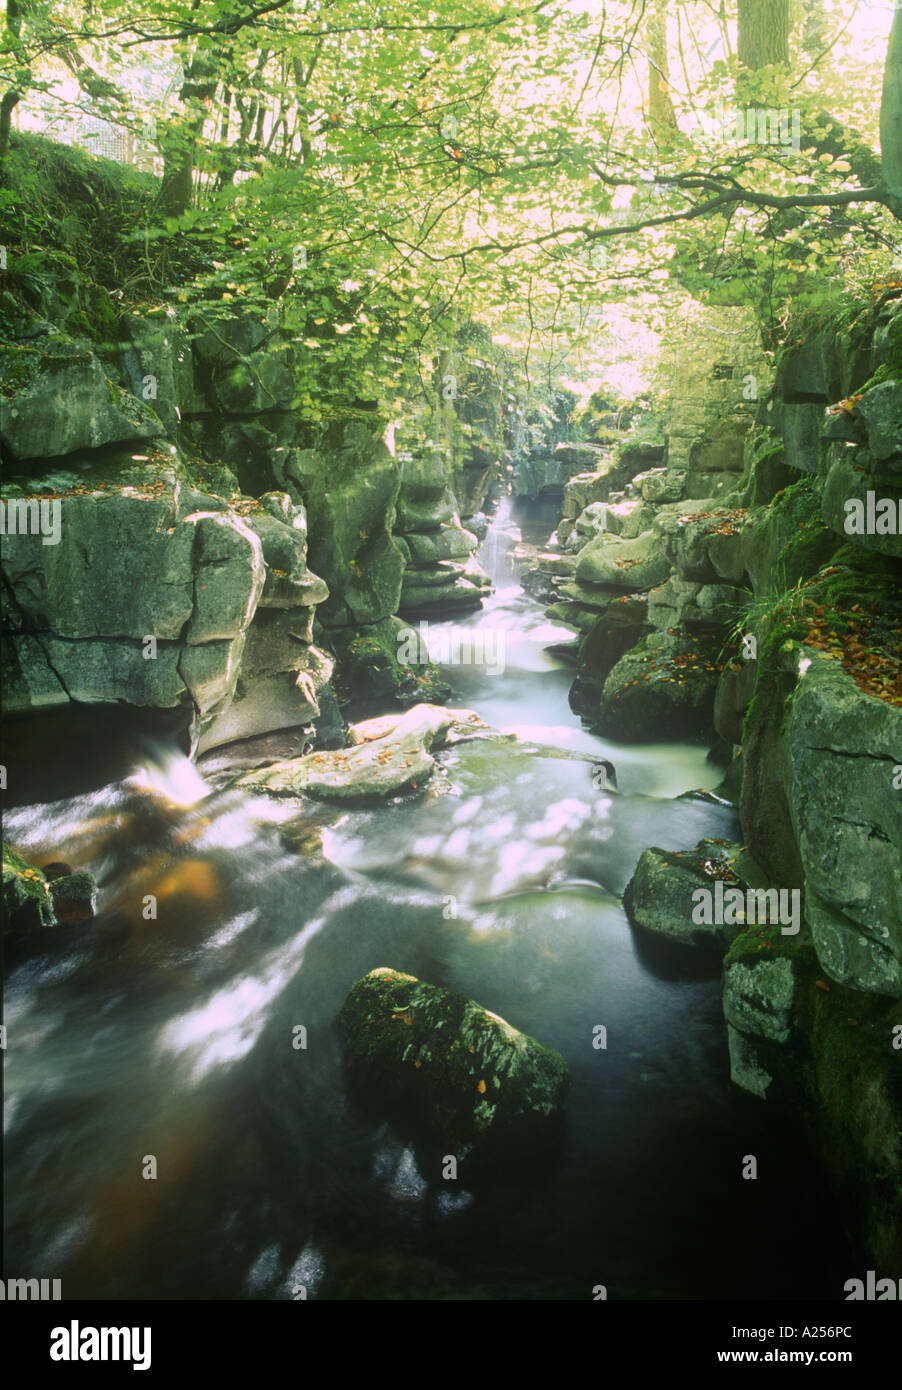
x=388, y=661
x=156, y=357
x=635, y=564
x=849, y=477
x=661, y=484
x=27, y=901
x=74, y=898
x=763, y=974
x=396, y=759
x=662, y=688
x=881, y=410
x=468, y=1079
x=658, y=898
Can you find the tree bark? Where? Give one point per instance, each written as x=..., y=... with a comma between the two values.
x=11, y=98
x=661, y=115
x=763, y=33
x=180, y=141
x=891, y=114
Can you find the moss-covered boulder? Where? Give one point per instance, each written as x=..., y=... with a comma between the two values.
x=662, y=688
x=27, y=901
x=387, y=661
x=659, y=897
x=633, y=564
x=74, y=897
x=468, y=1078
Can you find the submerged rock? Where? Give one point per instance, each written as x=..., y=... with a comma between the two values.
x=470, y=1078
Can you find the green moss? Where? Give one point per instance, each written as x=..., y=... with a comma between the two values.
x=891, y=368
x=26, y=894
x=454, y=1064
x=768, y=942
x=19, y=365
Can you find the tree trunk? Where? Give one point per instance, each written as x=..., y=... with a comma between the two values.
x=661, y=115
x=180, y=141
x=11, y=98
x=891, y=115
x=763, y=33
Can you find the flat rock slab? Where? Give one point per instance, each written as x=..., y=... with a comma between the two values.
x=386, y=756
x=468, y=1077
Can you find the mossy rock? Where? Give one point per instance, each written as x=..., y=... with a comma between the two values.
x=27, y=904
x=453, y=1069
x=663, y=688
x=370, y=667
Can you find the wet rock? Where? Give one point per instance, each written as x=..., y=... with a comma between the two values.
x=74, y=898
x=664, y=687
x=617, y=631
x=27, y=902
x=385, y=757
x=471, y=1080
x=658, y=897
x=387, y=661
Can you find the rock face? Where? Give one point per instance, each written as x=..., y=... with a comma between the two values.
x=838, y=751
x=56, y=398
x=826, y=1052
x=202, y=543
x=635, y=578
x=472, y=1082
x=441, y=575
x=349, y=485
x=210, y=590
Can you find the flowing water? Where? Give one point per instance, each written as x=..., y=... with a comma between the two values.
x=173, y=1037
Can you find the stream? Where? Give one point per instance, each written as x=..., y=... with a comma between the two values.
x=172, y=1036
